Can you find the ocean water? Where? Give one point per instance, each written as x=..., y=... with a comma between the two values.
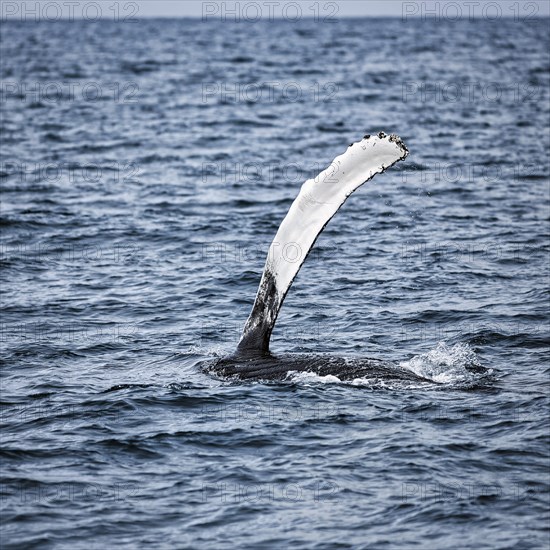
x=145, y=168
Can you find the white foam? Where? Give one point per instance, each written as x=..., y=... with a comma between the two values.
x=445, y=364
x=312, y=378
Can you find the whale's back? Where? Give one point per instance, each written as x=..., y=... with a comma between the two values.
x=271, y=367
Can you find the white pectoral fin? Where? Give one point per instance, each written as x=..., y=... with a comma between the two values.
x=319, y=199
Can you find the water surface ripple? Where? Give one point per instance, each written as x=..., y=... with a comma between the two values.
x=138, y=204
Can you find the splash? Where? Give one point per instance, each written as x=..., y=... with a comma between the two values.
x=446, y=364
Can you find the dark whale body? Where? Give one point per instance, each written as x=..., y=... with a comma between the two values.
x=317, y=202
x=271, y=367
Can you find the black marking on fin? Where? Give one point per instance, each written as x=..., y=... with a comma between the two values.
x=256, y=336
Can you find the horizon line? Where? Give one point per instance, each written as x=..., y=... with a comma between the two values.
x=243, y=20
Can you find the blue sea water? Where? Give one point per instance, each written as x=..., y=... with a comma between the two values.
x=145, y=168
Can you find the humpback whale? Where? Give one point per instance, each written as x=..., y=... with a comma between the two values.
x=317, y=202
